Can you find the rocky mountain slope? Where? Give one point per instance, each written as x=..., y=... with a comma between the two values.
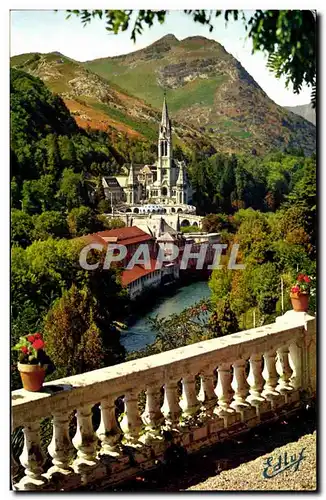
x=306, y=111
x=211, y=97
x=207, y=87
x=94, y=102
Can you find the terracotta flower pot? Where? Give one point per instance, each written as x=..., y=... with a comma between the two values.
x=32, y=376
x=300, y=301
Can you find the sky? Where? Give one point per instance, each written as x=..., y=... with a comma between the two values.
x=48, y=31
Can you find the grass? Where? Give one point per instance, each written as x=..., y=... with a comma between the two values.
x=241, y=134
x=143, y=128
x=141, y=81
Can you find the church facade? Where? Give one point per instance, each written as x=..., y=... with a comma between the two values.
x=159, y=188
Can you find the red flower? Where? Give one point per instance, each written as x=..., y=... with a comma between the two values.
x=306, y=279
x=38, y=344
x=31, y=338
x=301, y=277
x=24, y=349
x=38, y=336
x=295, y=289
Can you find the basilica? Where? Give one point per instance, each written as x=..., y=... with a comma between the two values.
x=159, y=188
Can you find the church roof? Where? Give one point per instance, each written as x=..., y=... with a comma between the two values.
x=111, y=181
x=146, y=170
x=138, y=271
x=166, y=228
x=124, y=235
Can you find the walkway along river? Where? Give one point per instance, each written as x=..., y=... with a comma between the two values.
x=140, y=334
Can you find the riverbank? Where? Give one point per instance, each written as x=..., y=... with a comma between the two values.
x=152, y=297
x=173, y=300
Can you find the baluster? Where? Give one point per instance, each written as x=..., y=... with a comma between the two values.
x=239, y=385
x=295, y=355
x=152, y=415
x=284, y=370
x=256, y=384
x=189, y=402
x=271, y=378
x=32, y=459
x=255, y=379
x=225, y=394
x=171, y=409
x=131, y=423
x=109, y=432
x=241, y=391
x=60, y=448
x=85, y=440
x=207, y=394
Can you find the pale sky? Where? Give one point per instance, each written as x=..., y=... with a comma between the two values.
x=48, y=31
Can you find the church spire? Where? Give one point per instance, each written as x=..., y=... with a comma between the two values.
x=181, y=177
x=165, y=121
x=131, y=177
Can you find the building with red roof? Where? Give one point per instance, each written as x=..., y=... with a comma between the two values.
x=141, y=275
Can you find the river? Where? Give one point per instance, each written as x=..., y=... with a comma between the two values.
x=140, y=334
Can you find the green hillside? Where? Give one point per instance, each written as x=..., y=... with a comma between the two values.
x=209, y=89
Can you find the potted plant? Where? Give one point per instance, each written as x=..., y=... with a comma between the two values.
x=300, y=293
x=33, y=362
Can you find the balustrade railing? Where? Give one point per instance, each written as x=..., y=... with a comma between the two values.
x=244, y=379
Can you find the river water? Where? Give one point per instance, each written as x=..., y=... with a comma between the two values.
x=140, y=333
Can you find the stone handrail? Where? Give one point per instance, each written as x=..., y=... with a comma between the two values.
x=259, y=372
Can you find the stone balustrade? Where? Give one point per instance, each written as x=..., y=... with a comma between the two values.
x=193, y=396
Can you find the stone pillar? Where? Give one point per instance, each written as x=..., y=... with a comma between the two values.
x=152, y=416
x=32, y=459
x=256, y=384
x=131, y=423
x=60, y=448
x=283, y=369
x=225, y=395
x=241, y=391
x=306, y=360
x=271, y=379
x=295, y=360
x=85, y=440
x=207, y=393
x=189, y=402
x=171, y=409
x=109, y=432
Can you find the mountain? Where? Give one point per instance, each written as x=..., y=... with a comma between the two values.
x=212, y=99
x=207, y=87
x=96, y=103
x=306, y=111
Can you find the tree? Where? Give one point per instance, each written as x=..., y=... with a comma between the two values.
x=41, y=275
x=304, y=196
x=73, y=341
x=72, y=192
x=38, y=195
x=81, y=221
x=50, y=223
x=212, y=223
x=287, y=36
x=21, y=228
x=224, y=320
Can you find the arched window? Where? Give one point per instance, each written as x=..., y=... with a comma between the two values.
x=164, y=191
x=164, y=148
